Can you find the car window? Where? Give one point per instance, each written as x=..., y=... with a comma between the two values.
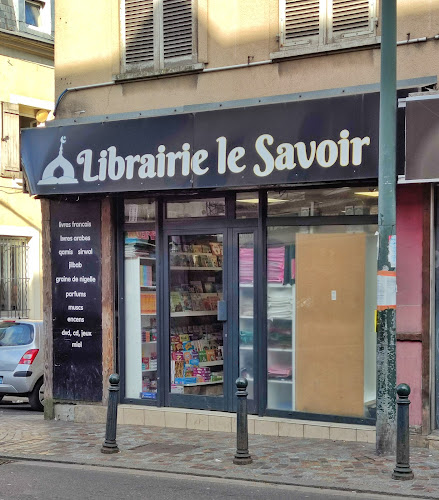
x=15, y=334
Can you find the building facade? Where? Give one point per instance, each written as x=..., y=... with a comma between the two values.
x=210, y=191
x=26, y=98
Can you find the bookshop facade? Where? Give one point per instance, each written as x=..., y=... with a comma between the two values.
x=245, y=244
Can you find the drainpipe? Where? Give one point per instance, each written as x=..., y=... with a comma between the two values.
x=386, y=279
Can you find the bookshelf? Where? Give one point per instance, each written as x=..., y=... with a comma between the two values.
x=141, y=315
x=196, y=337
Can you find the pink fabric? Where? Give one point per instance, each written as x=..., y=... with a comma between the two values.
x=409, y=371
x=276, y=264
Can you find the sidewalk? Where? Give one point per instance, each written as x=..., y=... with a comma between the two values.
x=305, y=462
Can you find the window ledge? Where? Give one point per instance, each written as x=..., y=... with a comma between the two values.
x=162, y=73
x=304, y=50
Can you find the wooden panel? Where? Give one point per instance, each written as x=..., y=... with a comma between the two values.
x=139, y=31
x=108, y=273
x=10, y=140
x=348, y=15
x=426, y=290
x=177, y=28
x=302, y=18
x=330, y=333
x=47, y=310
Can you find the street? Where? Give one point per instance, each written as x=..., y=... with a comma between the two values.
x=27, y=480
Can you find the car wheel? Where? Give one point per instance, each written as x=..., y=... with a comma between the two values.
x=36, y=397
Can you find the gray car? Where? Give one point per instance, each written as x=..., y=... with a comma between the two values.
x=22, y=360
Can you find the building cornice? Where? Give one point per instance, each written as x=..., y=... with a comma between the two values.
x=25, y=43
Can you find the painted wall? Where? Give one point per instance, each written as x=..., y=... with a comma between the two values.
x=409, y=217
x=233, y=32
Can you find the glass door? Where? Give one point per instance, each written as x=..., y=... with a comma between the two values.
x=196, y=322
x=244, y=284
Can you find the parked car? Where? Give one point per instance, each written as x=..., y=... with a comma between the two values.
x=22, y=361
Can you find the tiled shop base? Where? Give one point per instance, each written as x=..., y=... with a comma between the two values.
x=179, y=418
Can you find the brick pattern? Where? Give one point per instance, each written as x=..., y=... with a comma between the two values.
x=352, y=466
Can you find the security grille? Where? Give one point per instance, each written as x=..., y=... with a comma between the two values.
x=14, y=277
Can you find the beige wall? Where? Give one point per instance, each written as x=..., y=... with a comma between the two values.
x=87, y=52
x=25, y=79
x=31, y=86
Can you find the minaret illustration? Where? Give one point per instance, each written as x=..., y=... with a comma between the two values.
x=68, y=172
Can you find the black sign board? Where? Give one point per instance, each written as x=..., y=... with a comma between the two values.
x=422, y=140
x=310, y=141
x=76, y=301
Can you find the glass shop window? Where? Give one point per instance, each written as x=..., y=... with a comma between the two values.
x=141, y=315
x=321, y=300
x=139, y=211
x=323, y=202
x=212, y=207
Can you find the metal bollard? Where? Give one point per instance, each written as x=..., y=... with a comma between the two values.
x=110, y=445
x=402, y=471
x=242, y=456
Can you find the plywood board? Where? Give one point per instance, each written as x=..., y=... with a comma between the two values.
x=330, y=282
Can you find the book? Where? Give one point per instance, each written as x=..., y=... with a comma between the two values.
x=176, y=302
x=148, y=303
x=216, y=248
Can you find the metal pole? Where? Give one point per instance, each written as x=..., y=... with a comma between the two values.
x=110, y=445
x=386, y=335
x=242, y=456
x=402, y=471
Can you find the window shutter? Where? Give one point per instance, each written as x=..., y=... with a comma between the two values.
x=177, y=28
x=302, y=20
x=139, y=31
x=10, y=140
x=351, y=17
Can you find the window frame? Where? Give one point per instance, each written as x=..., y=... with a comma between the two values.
x=18, y=248
x=326, y=40
x=46, y=20
x=160, y=65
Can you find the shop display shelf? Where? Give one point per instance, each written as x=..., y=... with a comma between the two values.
x=149, y=314
x=191, y=253
x=182, y=314
x=150, y=370
x=204, y=383
x=150, y=342
x=279, y=381
x=246, y=317
x=147, y=258
x=148, y=287
x=187, y=268
x=211, y=363
x=271, y=285
x=273, y=349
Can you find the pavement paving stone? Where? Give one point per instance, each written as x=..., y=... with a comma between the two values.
x=308, y=462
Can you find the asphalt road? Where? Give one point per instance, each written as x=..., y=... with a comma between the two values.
x=17, y=406
x=41, y=480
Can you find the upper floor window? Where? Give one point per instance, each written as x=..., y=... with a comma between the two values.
x=313, y=25
x=158, y=33
x=32, y=13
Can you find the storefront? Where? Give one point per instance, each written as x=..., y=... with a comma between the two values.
x=422, y=172
x=245, y=244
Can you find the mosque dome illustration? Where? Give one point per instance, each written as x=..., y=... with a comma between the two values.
x=68, y=172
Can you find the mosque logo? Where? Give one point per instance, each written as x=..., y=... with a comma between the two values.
x=59, y=163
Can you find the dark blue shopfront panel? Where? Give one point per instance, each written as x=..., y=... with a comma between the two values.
x=297, y=142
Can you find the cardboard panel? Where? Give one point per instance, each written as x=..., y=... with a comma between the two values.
x=330, y=282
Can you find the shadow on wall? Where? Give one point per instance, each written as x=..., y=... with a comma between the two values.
x=19, y=215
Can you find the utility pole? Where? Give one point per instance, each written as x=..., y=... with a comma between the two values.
x=386, y=279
